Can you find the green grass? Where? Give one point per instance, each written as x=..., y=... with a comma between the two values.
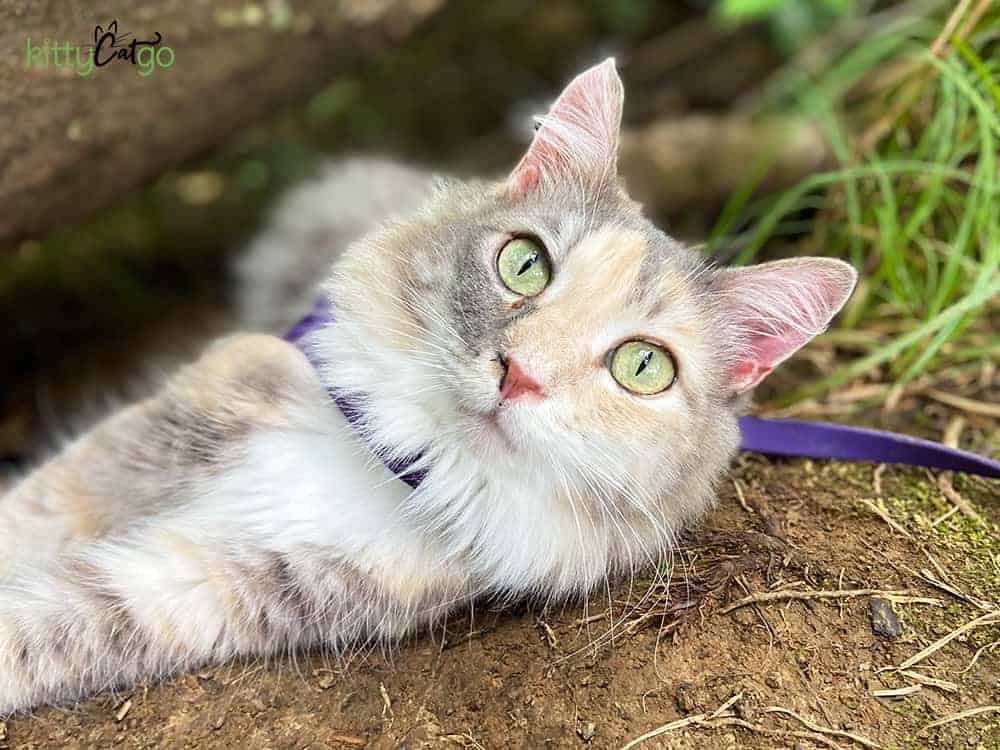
x=914, y=203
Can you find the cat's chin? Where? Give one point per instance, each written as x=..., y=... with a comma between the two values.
x=495, y=426
x=499, y=434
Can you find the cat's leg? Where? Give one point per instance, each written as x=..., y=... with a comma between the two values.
x=263, y=528
x=171, y=595
x=121, y=610
x=232, y=574
x=78, y=495
x=153, y=456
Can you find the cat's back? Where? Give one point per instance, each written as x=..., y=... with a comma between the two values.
x=277, y=276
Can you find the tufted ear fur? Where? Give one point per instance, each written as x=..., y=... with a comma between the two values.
x=578, y=139
x=778, y=307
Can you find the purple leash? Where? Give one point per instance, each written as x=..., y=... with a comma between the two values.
x=777, y=437
x=794, y=437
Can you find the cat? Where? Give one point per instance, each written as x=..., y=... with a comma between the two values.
x=569, y=376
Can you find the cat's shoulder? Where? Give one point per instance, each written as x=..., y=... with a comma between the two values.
x=249, y=372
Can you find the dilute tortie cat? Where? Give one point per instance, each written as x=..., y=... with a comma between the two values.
x=568, y=374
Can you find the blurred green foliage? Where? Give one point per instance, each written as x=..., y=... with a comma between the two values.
x=910, y=108
x=792, y=23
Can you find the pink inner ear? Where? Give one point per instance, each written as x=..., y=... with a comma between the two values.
x=579, y=136
x=779, y=307
x=523, y=179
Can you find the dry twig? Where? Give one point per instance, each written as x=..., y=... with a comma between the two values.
x=722, y=717
x=740, y=497
x=944, y=516
x=949, y=27
x=786, y=595
x=946, y=685
x=964, y=404
x=819, y=739
x=877, y=479
x=944, y=484
x=349, y=739
x=860, y=739
x=991, y=647
x=897, y=692
x=732, y=701
x=123, y=710
x=990, y=618
x=879, y=509
x=386, y=703
x=951, y=435
x=928, y=600
x=687, y=721
x=973, y=18
x=937, y=583
x=959, y=716
x=550, y=634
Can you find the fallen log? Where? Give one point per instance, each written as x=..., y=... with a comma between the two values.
x=696, y=161
x=73, y=140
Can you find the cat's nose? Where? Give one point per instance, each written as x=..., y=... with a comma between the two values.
x=516, y=382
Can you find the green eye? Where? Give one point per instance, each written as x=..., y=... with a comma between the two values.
x=642, y=367
x=523, y=267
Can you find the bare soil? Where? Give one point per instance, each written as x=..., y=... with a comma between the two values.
x=602, y=673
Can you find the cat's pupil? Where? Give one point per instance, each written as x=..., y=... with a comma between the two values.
x=528, y=263
x=646, y=356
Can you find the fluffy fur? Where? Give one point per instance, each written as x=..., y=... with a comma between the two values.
x=236, y=512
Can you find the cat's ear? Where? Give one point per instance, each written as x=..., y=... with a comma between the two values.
x=578, y=139
x=777, y=307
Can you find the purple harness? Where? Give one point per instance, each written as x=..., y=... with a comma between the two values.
x=780, y=437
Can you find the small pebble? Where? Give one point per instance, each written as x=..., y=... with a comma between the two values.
x=586, y=730
x=327, y=681
x=684, y=698
x=883, y=618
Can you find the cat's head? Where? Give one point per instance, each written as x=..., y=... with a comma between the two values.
x=544, y=331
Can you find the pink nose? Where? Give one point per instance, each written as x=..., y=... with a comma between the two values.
x=516, y=382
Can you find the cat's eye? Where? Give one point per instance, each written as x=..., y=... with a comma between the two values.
x=642, y=367
x=524, y=267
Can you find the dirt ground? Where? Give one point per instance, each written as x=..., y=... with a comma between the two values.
x=796, y=674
